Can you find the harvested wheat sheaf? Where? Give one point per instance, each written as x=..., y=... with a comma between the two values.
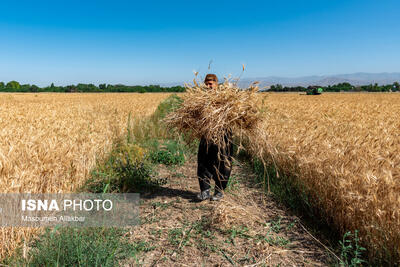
x=210, y=113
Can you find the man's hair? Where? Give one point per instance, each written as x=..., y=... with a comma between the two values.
x=211, y=77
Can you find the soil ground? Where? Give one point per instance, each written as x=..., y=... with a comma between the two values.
x=246, y=228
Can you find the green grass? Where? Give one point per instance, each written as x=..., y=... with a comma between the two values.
x=170, y=104
x=144, y=131
x=275, y=240
x=235, y=232
x=78, y=247
x=275, y=224
x=170, y=152
x=122, y=172
x=160, y=205
x=233, y=184
x=180, y=237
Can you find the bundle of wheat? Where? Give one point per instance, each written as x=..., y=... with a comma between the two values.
x=210, y=113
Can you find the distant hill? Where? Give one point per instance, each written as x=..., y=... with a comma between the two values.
x=360, y=78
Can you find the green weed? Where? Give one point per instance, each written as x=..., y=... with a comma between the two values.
x=170, y=152
x=179, y=237
x=351, y=253
x=122, y=172
x=276, y=224
x=233, y=184
x=273, y=240
x=78, y=247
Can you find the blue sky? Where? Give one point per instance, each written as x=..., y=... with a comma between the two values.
x=151, y=42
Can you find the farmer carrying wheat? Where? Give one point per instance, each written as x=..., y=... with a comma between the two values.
x=213, y=112
x=214, y=161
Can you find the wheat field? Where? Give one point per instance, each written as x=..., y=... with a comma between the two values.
x=345, y=148
x=50, y=142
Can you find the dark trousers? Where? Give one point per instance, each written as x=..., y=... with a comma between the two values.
x=215, y=163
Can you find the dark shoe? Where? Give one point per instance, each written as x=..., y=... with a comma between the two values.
x=217, y=196
x=204, y=195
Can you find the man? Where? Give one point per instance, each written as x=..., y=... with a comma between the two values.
x=214, y=162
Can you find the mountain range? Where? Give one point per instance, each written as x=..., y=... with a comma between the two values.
x=359, y=78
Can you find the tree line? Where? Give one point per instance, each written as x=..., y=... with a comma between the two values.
x=340, y=87
x=14, y=86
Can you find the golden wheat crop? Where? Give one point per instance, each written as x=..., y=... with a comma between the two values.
x=345, y=148
x=50, y=142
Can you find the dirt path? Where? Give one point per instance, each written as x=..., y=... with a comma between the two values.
x=246, y=228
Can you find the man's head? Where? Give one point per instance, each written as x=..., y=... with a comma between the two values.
x=211, y=81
